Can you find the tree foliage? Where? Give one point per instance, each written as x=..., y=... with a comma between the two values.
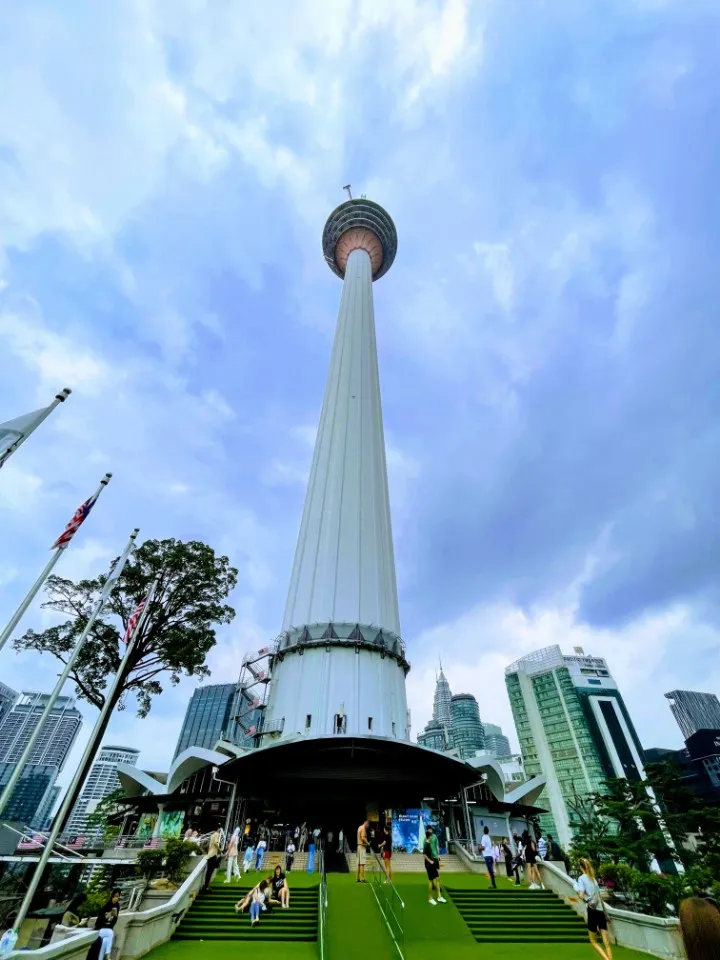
x=625, y=824
x=177, y=635
x=109, y=805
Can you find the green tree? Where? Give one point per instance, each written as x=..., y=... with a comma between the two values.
x=106, y=808
x=177, y=635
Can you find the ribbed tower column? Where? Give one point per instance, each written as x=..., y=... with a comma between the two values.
x=341, y=665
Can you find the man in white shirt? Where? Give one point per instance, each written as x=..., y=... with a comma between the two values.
x=487, y=852
x=542, y=847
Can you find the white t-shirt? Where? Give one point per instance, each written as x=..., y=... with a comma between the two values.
x=291, y=848
x=590, y=890
x=487, y=845
x=261, y=846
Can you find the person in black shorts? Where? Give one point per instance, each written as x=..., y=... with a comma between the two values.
x=589, y=891
x=431, y=853
x=280, y=891
x=531, y=855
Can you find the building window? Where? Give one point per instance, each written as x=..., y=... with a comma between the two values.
x=393, y=728
x=340, y=723
x=369, y=723
x=308, y=721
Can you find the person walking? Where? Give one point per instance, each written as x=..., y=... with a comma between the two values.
x=700, y=928
x=303, y=838
x=386, y=850
x=341, y=841
x=104, y=925
x=542, y=847
x=249, y=857
x=509, y=868
x=589, y=891
x=212, y=857
x=232, y=856
x=362, y=847
x=260, y=853
x=487, y=852
x=431, y=853
x=289, y=856
x=530, y=855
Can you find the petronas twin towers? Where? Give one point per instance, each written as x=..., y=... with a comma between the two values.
x=341, y=662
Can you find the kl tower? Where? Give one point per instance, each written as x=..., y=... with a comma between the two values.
x=340, y=663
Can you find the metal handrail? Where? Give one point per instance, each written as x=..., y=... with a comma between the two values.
x=379, y=870
x=322, y=901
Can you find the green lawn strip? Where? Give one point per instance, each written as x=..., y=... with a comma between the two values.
x=355, y=927
x=231, y=949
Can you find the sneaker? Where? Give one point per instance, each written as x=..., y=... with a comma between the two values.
x=533, y=886
x=432, y=902
x=441, y=900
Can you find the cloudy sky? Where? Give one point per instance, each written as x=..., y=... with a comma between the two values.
x=549, y=337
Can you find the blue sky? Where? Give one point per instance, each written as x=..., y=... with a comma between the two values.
x=548, y=335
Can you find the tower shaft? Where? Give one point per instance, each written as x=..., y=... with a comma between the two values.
x=344, y=567
x=340, y=665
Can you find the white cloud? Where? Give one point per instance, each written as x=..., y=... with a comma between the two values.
x=477, y=646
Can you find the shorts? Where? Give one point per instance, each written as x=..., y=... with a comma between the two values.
x=387, y=854
x=530, y=858
x=596, y=920
x=362, y=856
x=432, y=869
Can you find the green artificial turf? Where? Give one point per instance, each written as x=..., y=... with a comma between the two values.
x=356, y=930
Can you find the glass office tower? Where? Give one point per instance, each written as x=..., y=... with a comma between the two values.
x=573, y=727
x=468, y=735
x=208, y=715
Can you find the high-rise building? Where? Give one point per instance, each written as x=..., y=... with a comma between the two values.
x=43, y=817
x=340, y=666
x=466, y=726
x=573, y=727
x=7, y=699
x=433, y=736
x=694, y=711
x=209, y=714
x=441, y=704
x=48, y=756
x=496, y=742
x=101, y=782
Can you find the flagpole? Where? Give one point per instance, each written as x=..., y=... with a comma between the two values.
x=87, y=757
x=31, y=594
x=59, y=398
x=97, y=610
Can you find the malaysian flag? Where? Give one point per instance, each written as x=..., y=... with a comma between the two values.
x=77, y=521
x=133, y=621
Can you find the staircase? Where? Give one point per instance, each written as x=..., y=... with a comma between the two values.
x=415, y=863
x=518, y=916
x=213, y=917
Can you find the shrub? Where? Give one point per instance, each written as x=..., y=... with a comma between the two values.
x=149, y=862
x=177, y=852
x=94, y=900
x=619, y=876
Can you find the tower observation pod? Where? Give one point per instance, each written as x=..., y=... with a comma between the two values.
x=340, y=663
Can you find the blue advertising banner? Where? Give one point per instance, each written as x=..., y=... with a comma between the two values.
x=408, y=830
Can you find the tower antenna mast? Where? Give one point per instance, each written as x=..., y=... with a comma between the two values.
x=347, y=187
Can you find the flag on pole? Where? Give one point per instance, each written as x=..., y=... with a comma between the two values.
x=133, y=621
x=78, y=518
x=15, y=430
